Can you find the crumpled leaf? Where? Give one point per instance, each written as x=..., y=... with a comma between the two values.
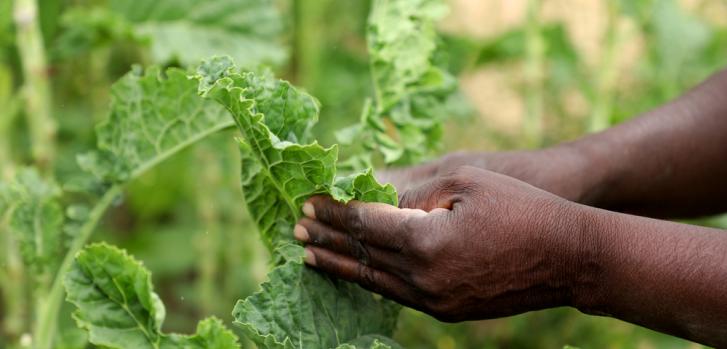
x=153, y=116
x=117, y=305
x=281, y=168
x=404, y=120
x=35, y=218
x=301, y=308
x=370, y=342
x=183, y=30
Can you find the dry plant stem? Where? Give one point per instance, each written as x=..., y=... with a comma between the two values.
x=45, y=326
x=36, y=88
x=534, y=75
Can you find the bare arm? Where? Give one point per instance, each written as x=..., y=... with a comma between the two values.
x=666, y=276
x=669, y=162
x=476, y=245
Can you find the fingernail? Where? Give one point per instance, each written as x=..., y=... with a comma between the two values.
x=310, y=258
x=300, y=233
x=308, y=210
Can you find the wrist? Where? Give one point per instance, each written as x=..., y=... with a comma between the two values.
x=589, y=170
x=591, y=241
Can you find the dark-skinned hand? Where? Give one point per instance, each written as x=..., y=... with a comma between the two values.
x=470, y=245
x=543, y=168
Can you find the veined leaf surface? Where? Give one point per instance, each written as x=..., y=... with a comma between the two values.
x=117, y=305
x=281, y=167
x=404, y=120
x=183, y=30
x=153, y=116
x=35, y=218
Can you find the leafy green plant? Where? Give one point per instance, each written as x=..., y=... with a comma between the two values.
x=156, y=114
x=152, y=118
x=247, y=30
x=412, y=94
x=281, y=167
x=119, y=309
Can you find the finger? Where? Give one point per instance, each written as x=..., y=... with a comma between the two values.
x=376, y=224
x=439, y=193
x=369, y=278
x=318, y=234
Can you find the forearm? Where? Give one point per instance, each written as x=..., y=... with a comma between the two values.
x=669, y=162
x=666, y=276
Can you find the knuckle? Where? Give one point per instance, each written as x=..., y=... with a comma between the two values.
x=407, y=227
x=367, y=276
x=355, y=220
x=424, y=247
x=360, y=252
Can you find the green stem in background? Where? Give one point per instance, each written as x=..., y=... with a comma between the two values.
x=8, y=112
x=607, y=71
x=309, y=38
x=534, y=75
x=100, y=84
x=208, y=241
x=47, y=312
x=12, y=283
x=36, y=86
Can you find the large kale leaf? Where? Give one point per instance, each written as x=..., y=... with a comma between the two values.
x=281, y=167
x=117, y=305
x=183, y=30
x=411, y=92
x=153, y=116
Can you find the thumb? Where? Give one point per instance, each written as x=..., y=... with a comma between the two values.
x=437, y=193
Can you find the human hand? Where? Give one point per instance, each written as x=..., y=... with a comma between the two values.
x=561, y=170
x=470, y=245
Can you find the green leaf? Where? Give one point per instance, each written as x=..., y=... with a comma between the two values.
x=35, y=218
x=370, y=342
x=117, y=305
x=281, y=168
x=278, y=172
x=411, y=91
x=301, y=308
x=248, y=30
x=153, y=116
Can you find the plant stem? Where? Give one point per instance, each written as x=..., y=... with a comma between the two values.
x=13, y=287
x=209, y=239
x=600, y=117
x=534, y=75
x=36, y=88
x=10, y=104
x=45, y=327
x=309, y=36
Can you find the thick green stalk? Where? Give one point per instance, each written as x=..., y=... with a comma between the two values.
x=309, y=38
x=13, y=288
x=208, y=241
x=9, y=103
x=47, y=312
x=534, y=75
x=600, y=117
x=36, y=86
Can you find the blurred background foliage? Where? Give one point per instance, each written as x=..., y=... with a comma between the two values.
x=535, y=73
